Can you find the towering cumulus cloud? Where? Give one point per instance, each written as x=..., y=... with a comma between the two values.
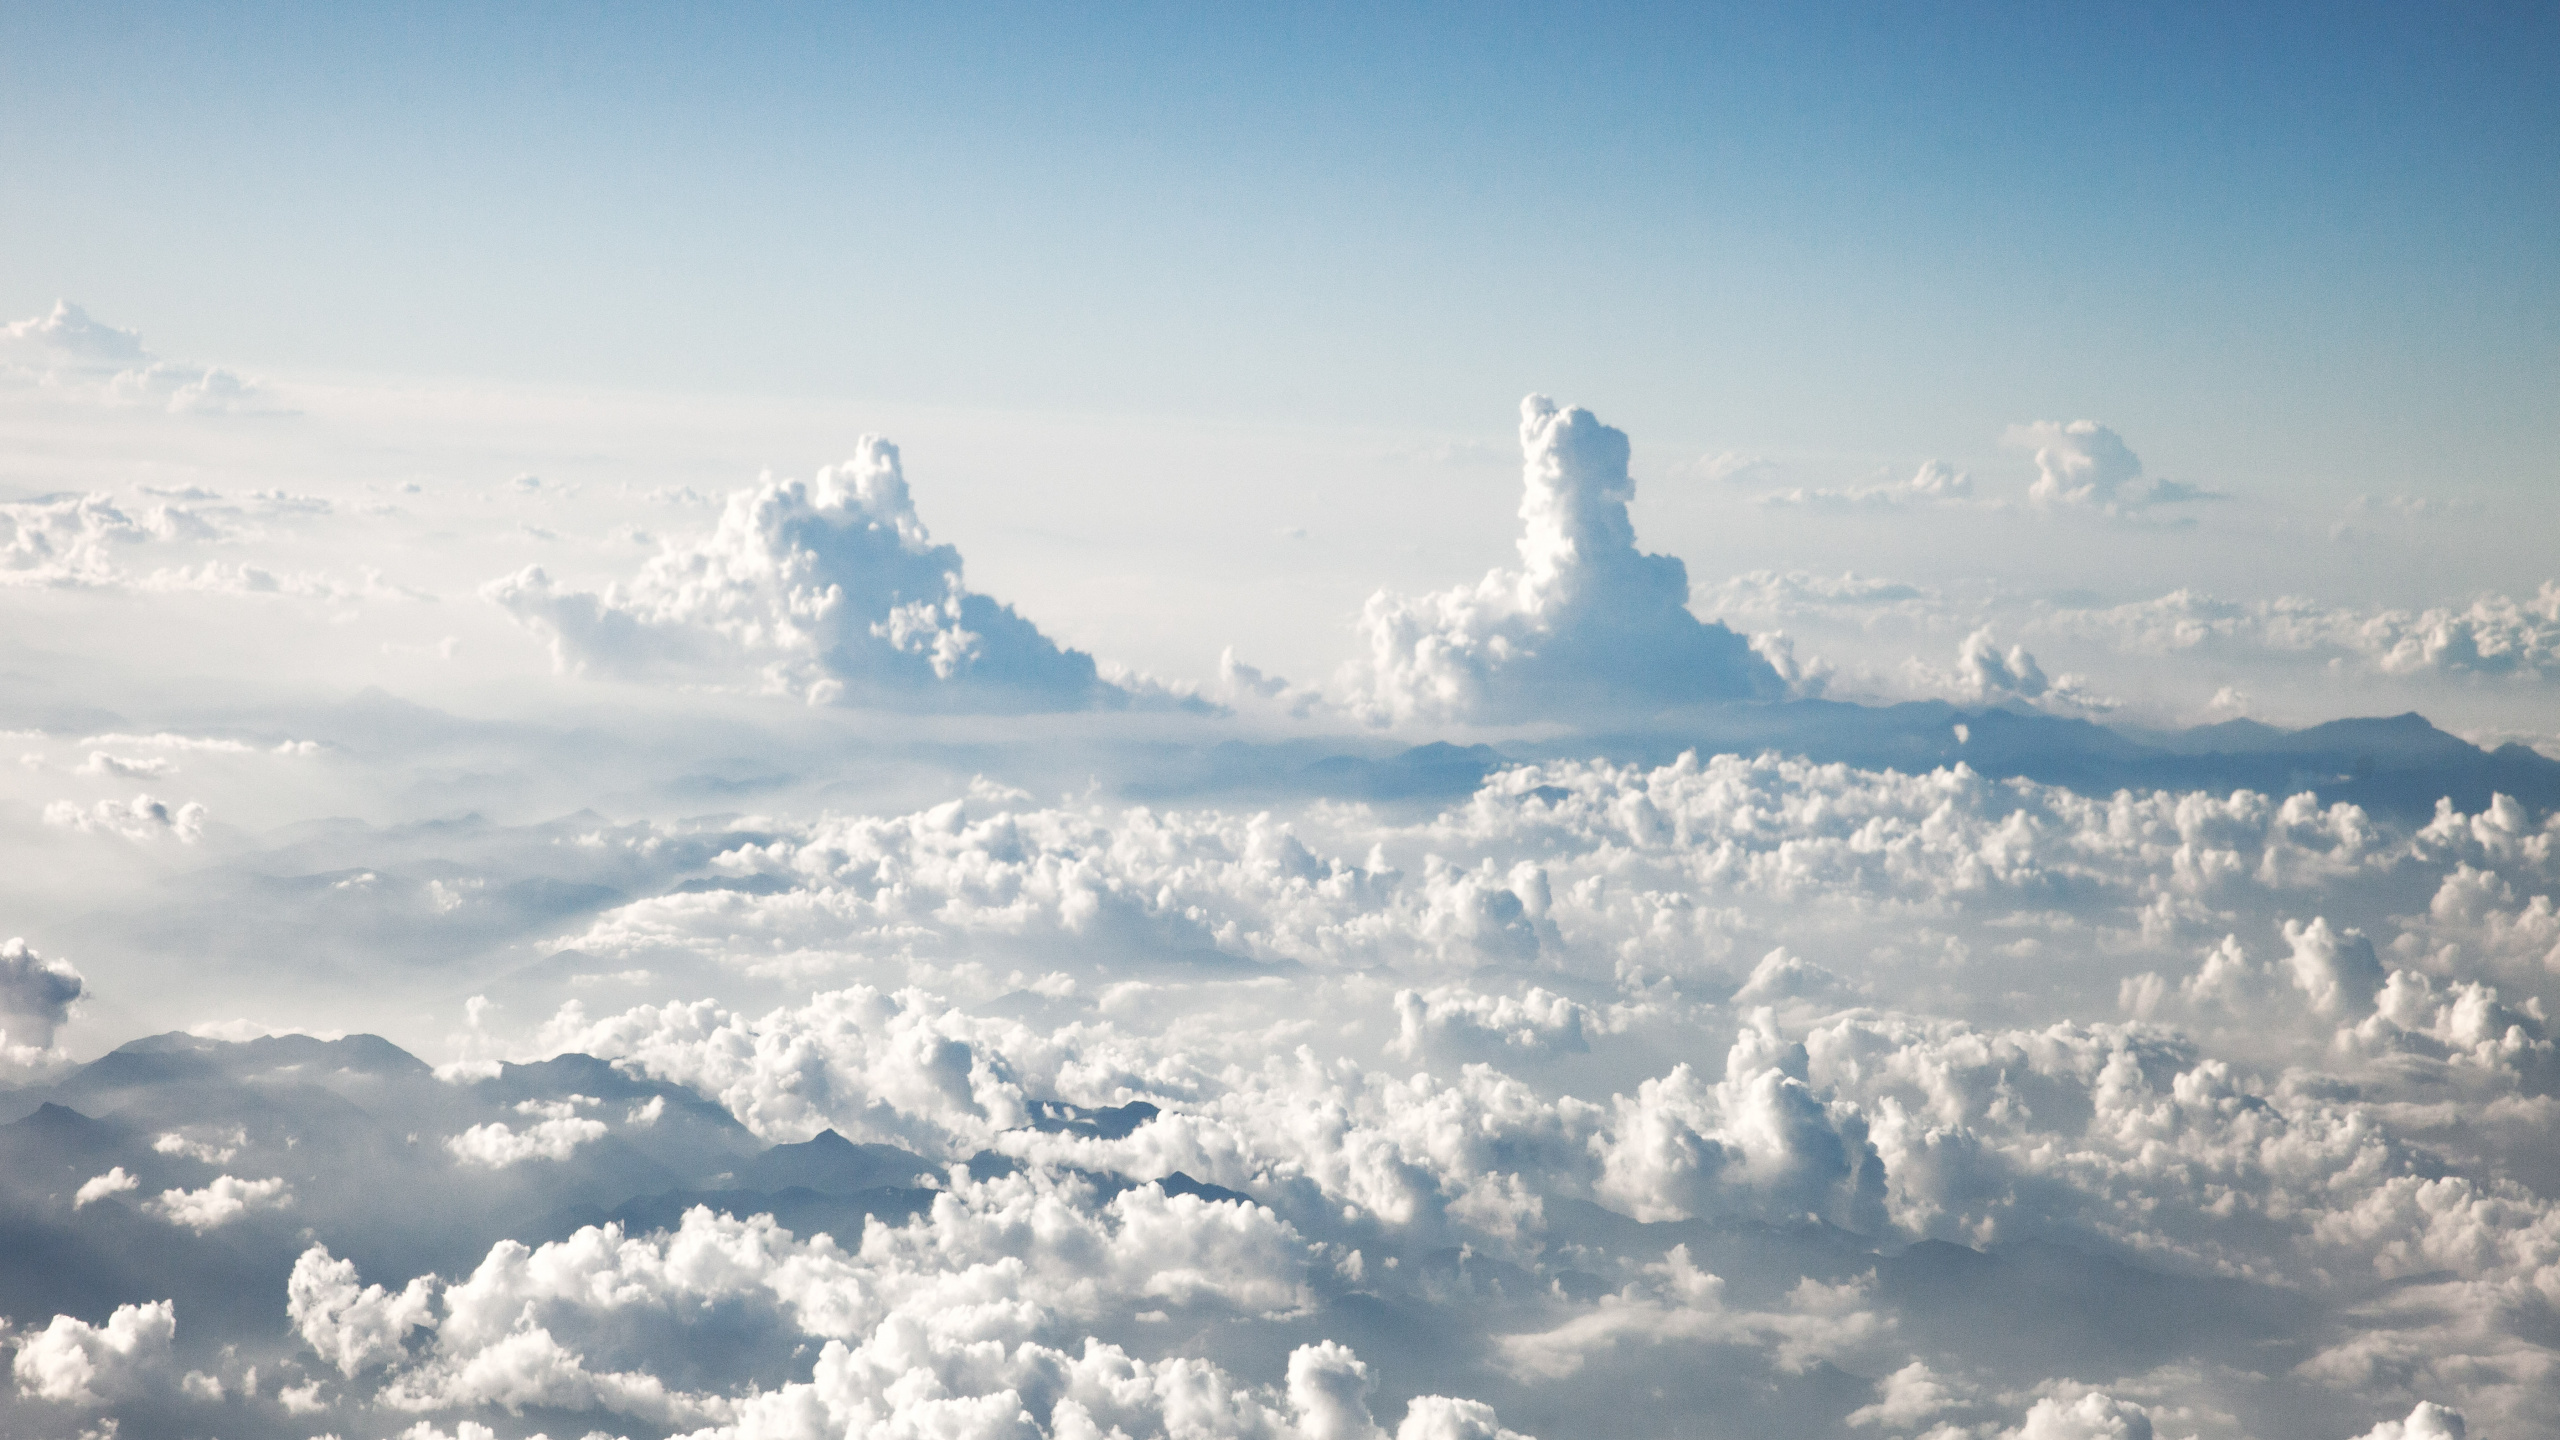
x=829, y=590
x=1587, y=622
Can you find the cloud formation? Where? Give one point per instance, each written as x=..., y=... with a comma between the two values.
x=1587, y=622
x=36, y=995
x=2084, y=465
x=828, y=590
x=66, y=353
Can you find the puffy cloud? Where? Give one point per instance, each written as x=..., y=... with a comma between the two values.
x=64, y=540
x=1984, y=674
x=935, y=1323
x=1329, y=1388
x=354, y=1328
x=1761, y=1142
x=830, y=590
x=73, y=1362
x=1449, y=1061
x=67, y=353
x=1911, y=1396
x=2339, y=972
x=36, y=995
x=2429, y=1421
x=2094, y=1415
x=557, y=1133
x=227, y=1199
x=141, y=818
x=1536, y=1022
x=2085, y=464
x=2492, y=634
x=1441, y=1417
x=1673, y=1304
x=99, y=1187
x=1586, y=621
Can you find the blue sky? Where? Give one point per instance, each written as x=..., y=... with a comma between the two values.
x=2311, y=245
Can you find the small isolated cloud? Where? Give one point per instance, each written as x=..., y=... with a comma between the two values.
x=36, y=994
x=1774, y=592
x=1587, y=621
x=67, y=353
x=227, y=1199
x=145, y=768
x=99, y=1187
x=2084, y=464
x=1984, y=674
x=1934, y=483
x=1911, y=1397
x=555, y=1135
x=141, y=818
x=829, y=590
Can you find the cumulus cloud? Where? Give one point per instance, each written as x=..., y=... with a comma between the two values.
x=67, y=353
x=353, y=1327
x=1586, y=621
x=1482, y=1094
x=227, y=1199
x=2492, y=635
x=2094, y=1415
x=72, y=541
x=2429, y=1421
x=829, y=590
x=2083, y=464
x=72, y=1362
x=936, y=1323
x=1760, y=1142
x=1985, y=674
x=36, y=994
x=99, y=1187
x=141, y=818
x=557, y=1132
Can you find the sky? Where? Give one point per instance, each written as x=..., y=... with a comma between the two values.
x=806, y=722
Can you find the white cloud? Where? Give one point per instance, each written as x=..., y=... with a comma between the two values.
x=1587, y=625
x=99, y=1187
x=2339, y=972
x=148, y=767
x=36, y=995
x=141, y=818
x=354, y=1328
x=227, y=1199
x=2492, y=635
x=66, y=353
x=555, y=1135
x=1984, y=674
x=2429, y=1421
x=828, y=590
x=1911, y=1397
x=73, y=1362
x=2094, y=1415
x=2083, y=464
x=1934, y=483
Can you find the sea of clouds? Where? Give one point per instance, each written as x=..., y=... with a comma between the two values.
x=787, y=991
